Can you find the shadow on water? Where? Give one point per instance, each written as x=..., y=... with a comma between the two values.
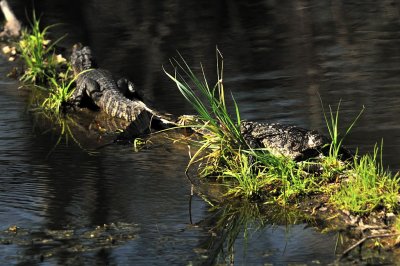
x=278, y=55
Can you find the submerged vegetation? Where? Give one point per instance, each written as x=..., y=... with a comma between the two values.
x=359, y=185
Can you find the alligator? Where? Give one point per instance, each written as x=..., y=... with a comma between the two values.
x=291, y=141
x=97, y=89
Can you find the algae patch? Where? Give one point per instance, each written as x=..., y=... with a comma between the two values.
x=68, y=243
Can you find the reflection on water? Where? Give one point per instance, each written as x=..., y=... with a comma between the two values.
x=248, y=233
x=279, y=57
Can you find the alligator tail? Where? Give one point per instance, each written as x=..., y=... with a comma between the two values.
x=117, y=105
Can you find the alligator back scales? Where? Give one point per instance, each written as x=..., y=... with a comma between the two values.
x=100, y=88
x=107, y=96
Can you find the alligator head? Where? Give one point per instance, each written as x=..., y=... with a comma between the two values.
x=81, y=58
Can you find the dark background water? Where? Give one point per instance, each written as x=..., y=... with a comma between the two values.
x=280, y=57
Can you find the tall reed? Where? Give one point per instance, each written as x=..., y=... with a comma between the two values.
x=223, y=133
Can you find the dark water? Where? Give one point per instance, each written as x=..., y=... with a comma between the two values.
x=279, y=57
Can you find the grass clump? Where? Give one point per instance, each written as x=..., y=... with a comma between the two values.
x=38, y=53
x=44, y=69
x=249, y=181
x=332, y=124
x=59, y=92
x=215, y=112
x=221, y=133
x=368, y=186
x=333, y=163
x=222, y=146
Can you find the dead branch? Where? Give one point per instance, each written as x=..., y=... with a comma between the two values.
x=12, y=28
x=361, y=241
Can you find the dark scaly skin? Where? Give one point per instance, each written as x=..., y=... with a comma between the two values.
x=100, y=88
x=294, y=142
x=98, y=85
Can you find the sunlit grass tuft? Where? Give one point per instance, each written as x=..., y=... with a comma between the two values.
x=368, y=186
x=332, y=124
x=60, y=90
x=223, y=131
x=251, y=180
x=221, y=149
x=38, y=53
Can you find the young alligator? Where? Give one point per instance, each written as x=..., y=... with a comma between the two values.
x=291, y=141
x=97, y=88
x=288, y=140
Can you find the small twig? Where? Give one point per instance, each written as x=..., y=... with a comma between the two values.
x=371, y=227
x=358, y=243
x=190, y=204
x=188, y=177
